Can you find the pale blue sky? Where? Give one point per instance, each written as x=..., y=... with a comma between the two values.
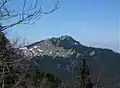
x=92, y=22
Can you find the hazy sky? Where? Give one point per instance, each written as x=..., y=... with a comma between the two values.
x=92, y=22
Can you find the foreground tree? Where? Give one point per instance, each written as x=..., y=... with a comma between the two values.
x=83, y=76
x=11, y=69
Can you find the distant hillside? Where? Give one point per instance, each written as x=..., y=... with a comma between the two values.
x=62, y=55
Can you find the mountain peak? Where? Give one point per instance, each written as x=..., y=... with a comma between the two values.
x=66, y=37
x=60, y=46
x=64, y=40
x=69, y=40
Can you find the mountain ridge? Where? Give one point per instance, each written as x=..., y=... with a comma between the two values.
x=74, y=40
x=66, y=38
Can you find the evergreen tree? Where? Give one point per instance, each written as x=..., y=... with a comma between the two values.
x=83, y=76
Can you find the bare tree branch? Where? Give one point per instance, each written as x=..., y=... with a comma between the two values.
x=26, y=16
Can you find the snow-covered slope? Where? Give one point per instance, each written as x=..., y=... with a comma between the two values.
x=50, y=48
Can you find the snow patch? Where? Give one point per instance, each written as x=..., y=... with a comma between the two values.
x=75, y=43
x=50, y=52
x=24, y=48
x=92, y=53
x=31, y=49
x=35, y=46
x=40, y=50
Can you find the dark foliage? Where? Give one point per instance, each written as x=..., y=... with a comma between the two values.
x=83, y=76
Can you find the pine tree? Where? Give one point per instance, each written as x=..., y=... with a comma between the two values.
x=83, y=76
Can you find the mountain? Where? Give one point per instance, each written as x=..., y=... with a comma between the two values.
x=62, y=56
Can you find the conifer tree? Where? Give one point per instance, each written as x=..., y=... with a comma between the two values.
x=83, y=77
